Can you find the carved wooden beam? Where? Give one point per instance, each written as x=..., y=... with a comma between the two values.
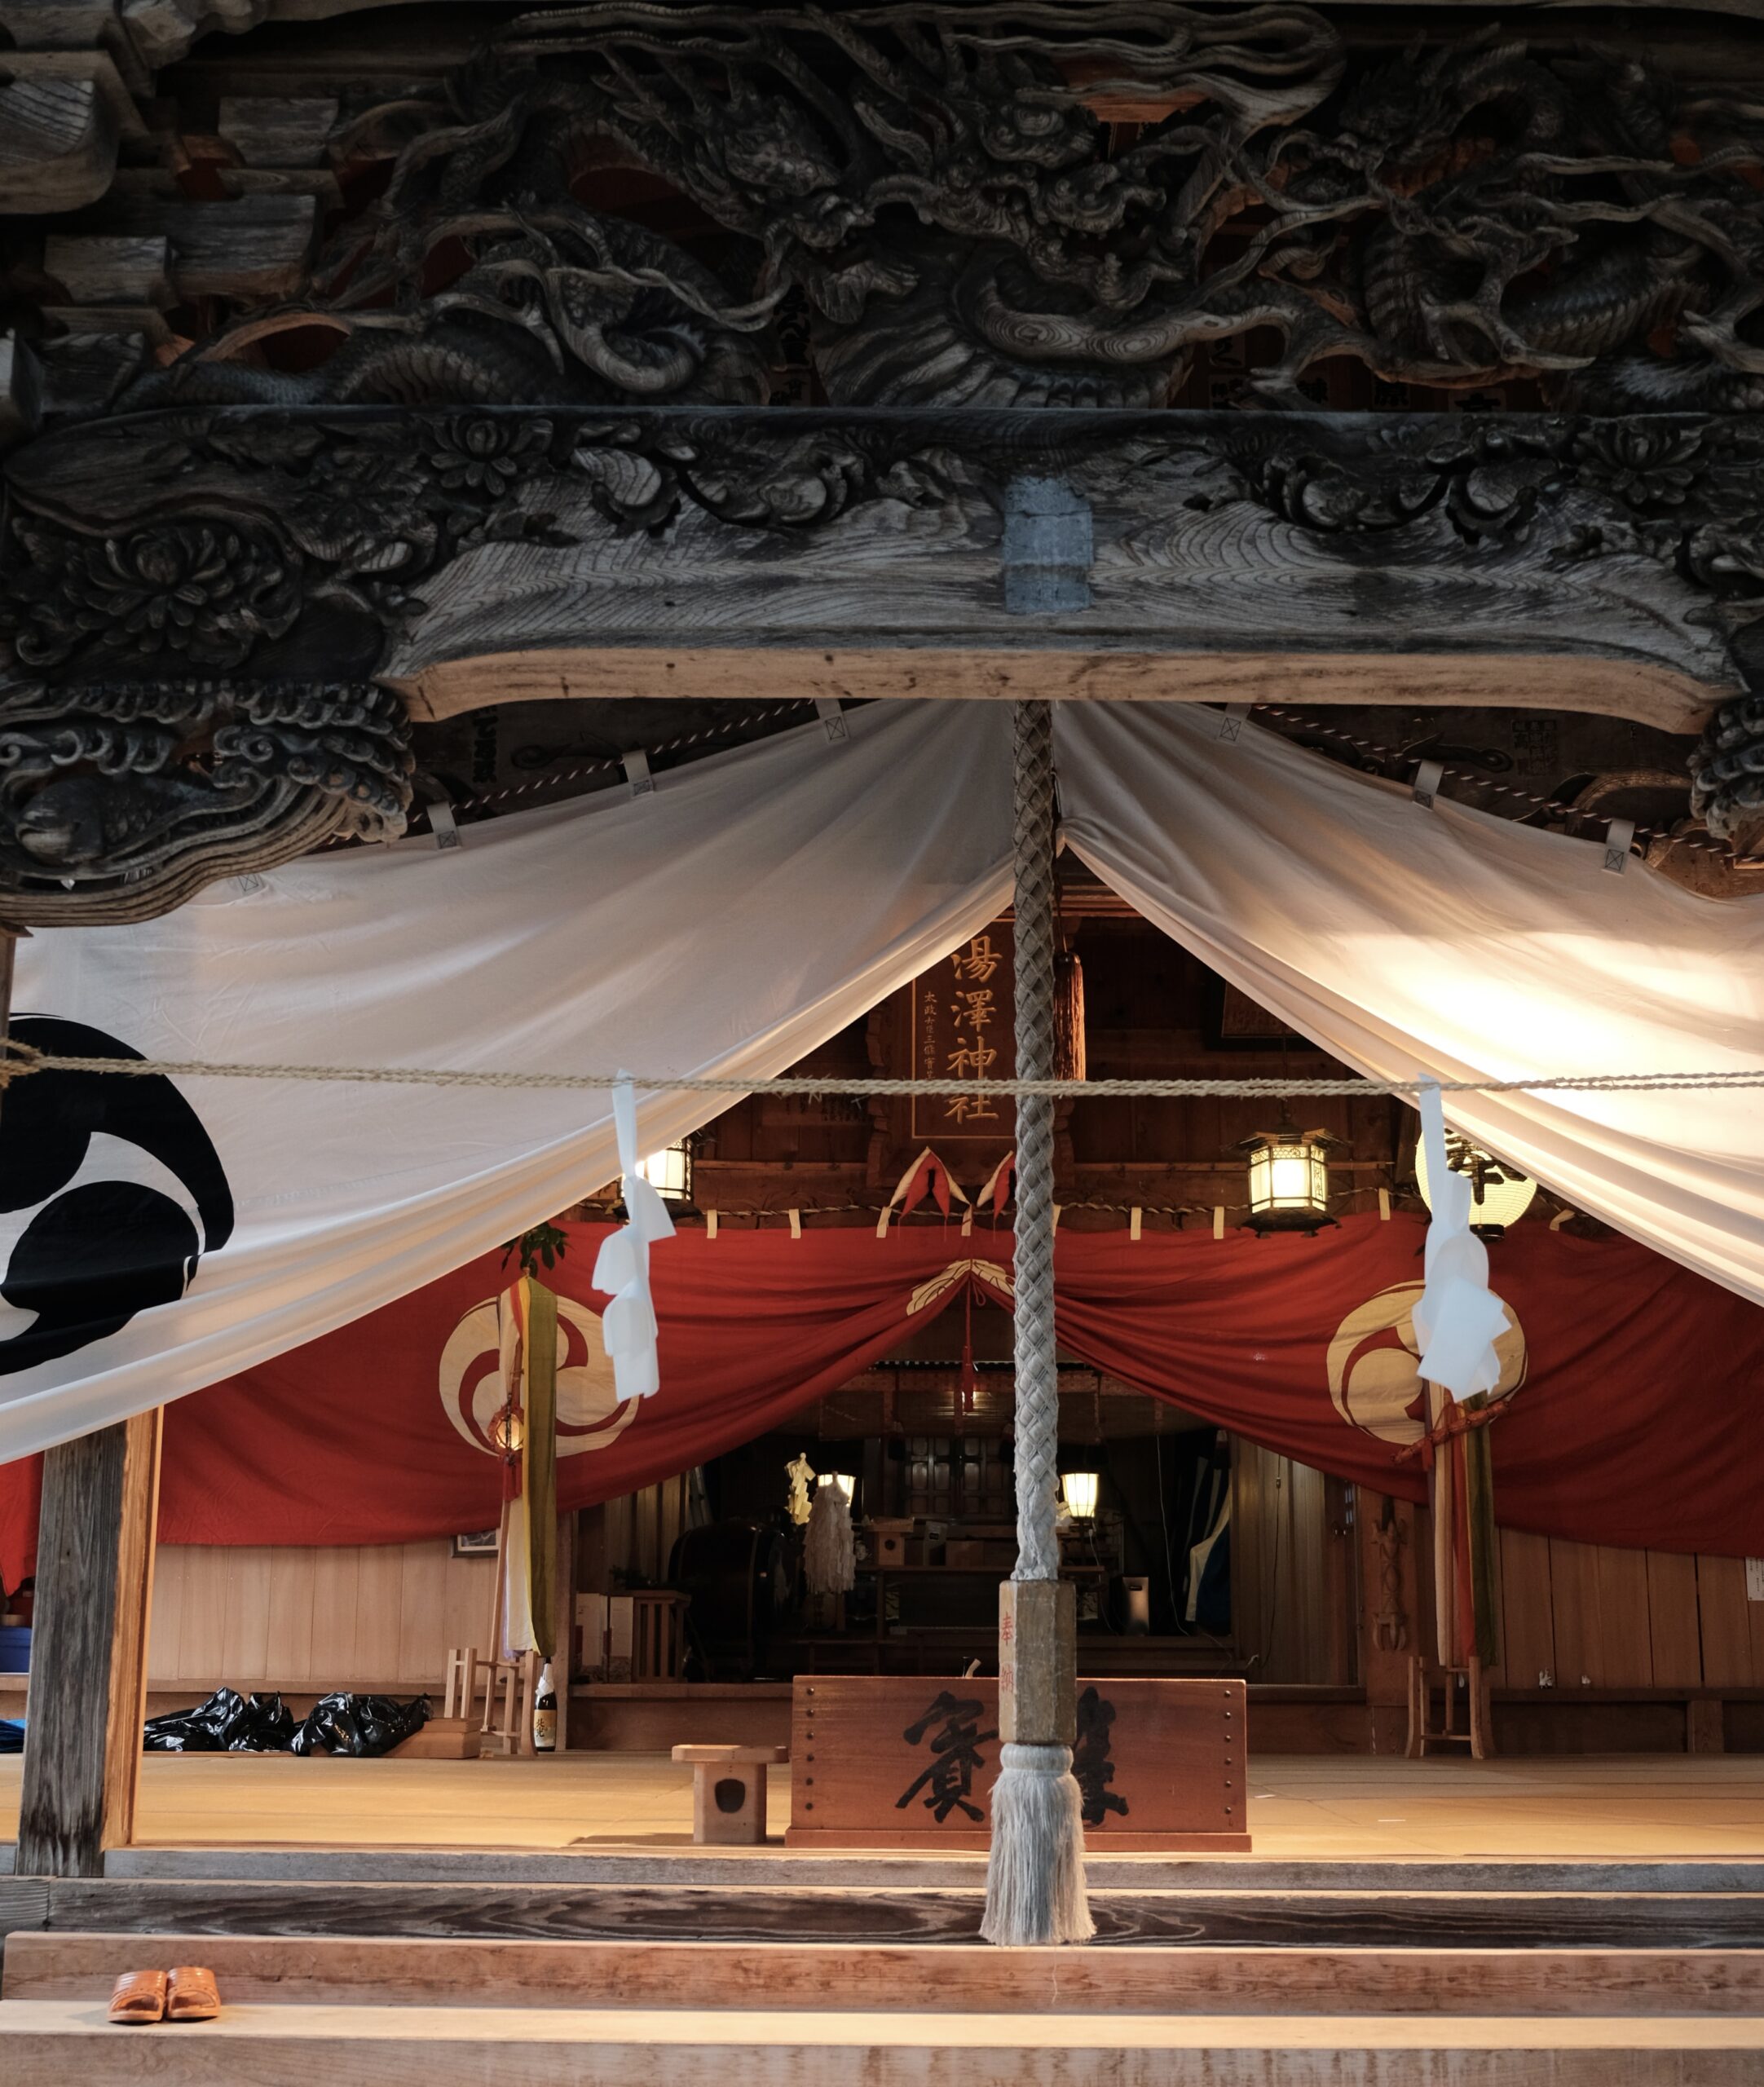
x=221, y=579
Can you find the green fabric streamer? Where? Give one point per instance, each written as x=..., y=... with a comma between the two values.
x=541, y=1462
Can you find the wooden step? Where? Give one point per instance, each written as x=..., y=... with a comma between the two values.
x=851, y=1914
x=47, y=2043
x=1158, y=1980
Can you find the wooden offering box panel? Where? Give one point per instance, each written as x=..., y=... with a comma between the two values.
x=899, y=1763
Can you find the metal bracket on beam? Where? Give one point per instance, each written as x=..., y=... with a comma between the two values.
x=1048, y=548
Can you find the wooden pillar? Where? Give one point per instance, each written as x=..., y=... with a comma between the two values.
x=88, y=1679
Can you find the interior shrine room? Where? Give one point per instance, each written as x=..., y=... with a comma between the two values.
x=1227, y=1523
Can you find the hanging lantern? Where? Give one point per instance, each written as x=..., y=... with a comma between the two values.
x=1499, y=1194
x=1080, y=1488
x=846, y=1483
x=670, y=1172
x=1289, y=1178
x=508, y=1430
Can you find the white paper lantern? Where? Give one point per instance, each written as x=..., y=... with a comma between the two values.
x=1499, y=1194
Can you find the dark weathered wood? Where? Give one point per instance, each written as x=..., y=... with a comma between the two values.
x=1242, y=1919
x=61, y=1806
x=89, y=1649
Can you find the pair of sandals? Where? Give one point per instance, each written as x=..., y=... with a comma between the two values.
x=187, y=1994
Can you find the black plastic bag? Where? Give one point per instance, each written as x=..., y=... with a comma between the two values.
x=361, y=1725
x=226, y=1724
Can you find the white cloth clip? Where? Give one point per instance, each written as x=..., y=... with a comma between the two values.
x=1428, y=778
x=1618, y=836
x=1232, y=723
x=831, y=714
x=636, y=765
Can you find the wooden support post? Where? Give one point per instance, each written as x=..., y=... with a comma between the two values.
x=82, y=1734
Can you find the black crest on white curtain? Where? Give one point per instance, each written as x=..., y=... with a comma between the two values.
x=110, y=1191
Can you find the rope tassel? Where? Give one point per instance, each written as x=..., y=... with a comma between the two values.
x=1035, y=1871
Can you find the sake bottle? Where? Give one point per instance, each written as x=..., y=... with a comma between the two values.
x=545, y=1713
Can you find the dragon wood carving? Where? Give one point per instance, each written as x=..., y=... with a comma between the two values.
x=1017, y=204
x=966, y=229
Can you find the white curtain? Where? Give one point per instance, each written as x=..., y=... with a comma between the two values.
x=748, y=909
x=1447, y=941
x=754, y=904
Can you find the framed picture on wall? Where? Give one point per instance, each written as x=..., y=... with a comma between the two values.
x=481, y=1543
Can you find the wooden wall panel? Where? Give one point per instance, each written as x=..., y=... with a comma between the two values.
x=1527, y=1621
x=245, y=1632
x=294, y=1586
x=422, y=1632
x=1674, y=1630
x=1575, y=1610
x=165, y=1638
x=337, y=1572
x=202, y=1636
x=304, y=1620
x=1281, y=1584
x=379, y=1605
x=1726, y=1627
x=1623, y=1652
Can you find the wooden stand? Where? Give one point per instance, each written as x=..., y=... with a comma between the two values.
x=1474, y=1735
x=729, y=1793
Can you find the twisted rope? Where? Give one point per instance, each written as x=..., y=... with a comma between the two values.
x=20, y=1060
x=1038, y=1377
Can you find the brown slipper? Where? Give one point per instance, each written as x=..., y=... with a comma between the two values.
x=192, y=1995
x=138, y=1996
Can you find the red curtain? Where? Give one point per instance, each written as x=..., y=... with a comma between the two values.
x=1627, y=1424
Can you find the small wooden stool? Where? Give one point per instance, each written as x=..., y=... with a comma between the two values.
x=729, y=1793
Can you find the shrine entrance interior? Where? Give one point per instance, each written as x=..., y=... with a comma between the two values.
x=1625, y=1698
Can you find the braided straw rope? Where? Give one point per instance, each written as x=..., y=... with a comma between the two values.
x=18, y=1059
x=1038, y=1377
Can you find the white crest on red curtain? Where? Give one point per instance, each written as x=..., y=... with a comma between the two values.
x=935, y=1288
x=590, y=1414
x=1374, y=1365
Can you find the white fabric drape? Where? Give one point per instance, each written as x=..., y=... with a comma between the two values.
x=1407, y=942
x=748, y=909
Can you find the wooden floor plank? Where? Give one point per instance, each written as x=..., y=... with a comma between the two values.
x=819, y=1975
x=1299, y=1807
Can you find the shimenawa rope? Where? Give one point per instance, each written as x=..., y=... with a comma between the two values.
x=20, y=1060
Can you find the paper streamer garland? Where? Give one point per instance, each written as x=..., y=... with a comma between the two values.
x=1457, y=1316
x=627, y=1327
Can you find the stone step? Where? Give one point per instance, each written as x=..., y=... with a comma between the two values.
x=52, y=2042
x=259, y=1970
